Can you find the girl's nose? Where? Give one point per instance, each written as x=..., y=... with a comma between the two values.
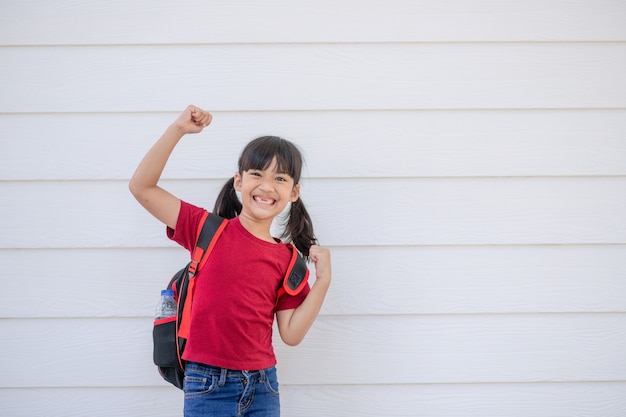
x=267, y=184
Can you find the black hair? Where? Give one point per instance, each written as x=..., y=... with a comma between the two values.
x=259, y=154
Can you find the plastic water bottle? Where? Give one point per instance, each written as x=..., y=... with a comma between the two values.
x=167, y=305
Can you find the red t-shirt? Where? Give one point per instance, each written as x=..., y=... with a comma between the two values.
x=235, y=295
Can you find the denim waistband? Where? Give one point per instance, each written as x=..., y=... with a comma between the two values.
x=226, y=373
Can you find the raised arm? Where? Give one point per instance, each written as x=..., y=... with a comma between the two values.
x=294, y=324
x=143, y=185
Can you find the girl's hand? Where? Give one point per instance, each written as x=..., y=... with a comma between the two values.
x=321, y=257
x=192, y=120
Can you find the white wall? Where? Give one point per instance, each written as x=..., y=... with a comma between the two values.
x=466, y=165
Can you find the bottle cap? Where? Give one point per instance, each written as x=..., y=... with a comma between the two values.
x=167, y=293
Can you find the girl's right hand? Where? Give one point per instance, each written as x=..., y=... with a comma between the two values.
x=193, y=119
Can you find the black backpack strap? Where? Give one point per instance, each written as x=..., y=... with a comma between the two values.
x=209, y=228
x=297, y=274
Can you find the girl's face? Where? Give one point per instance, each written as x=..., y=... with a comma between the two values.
x=265, y=193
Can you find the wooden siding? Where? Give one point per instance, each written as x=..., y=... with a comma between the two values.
x=65, y=22
x=314, y=77
x=466, y=164
x=362, y=144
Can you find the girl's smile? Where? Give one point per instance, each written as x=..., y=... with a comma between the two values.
x=264, y=201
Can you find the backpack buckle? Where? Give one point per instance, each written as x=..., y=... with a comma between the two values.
x=193, y=268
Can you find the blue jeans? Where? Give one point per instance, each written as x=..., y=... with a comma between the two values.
x=219, y=392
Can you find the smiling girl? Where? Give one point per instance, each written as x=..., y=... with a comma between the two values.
x=230, y=367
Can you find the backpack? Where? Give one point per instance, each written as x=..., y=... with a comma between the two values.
x=170, y=334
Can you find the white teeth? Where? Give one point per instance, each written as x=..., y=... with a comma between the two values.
x=264, y=200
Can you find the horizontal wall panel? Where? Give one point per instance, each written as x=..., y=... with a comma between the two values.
x=67, y=22
x=599, y=399
x=367, y=280
x=463, y=349
x=335, y=144
x=410, y=212
x=313, y=77
x=160, y=401
x=338, y=350
x=462, y=400
x=471, y=280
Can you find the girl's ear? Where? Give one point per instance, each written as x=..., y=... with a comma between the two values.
x=295, y=193
x=237, y=181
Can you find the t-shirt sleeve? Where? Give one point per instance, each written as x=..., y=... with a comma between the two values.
x=186, y=225
x=287, y=302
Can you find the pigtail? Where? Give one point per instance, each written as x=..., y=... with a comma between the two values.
x=299, y=228
x=227, y=204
